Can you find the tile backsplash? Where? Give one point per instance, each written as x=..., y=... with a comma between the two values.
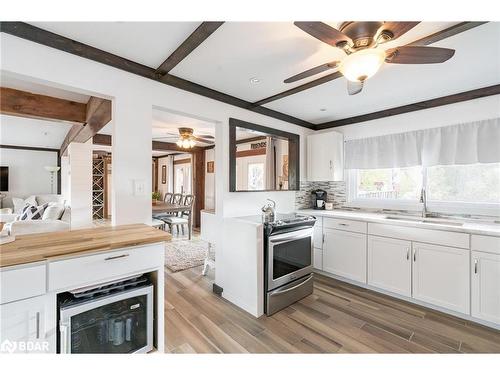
x=335, y=190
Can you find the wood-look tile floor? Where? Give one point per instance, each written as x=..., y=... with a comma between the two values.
x=336, y=318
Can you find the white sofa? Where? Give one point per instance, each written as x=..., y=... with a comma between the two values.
x=18, y=227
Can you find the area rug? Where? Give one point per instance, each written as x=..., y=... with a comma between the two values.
x=184, y=254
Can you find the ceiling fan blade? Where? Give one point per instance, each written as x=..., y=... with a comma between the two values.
x=206, y=136
x=202, y=140
x=313, y=71
x=418, y=55
x=398, y=28
x=354, y=88
x=323, y=32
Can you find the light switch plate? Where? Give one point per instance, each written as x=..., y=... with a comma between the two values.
x=139, y=187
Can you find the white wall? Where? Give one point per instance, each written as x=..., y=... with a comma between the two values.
x=80, y=184
x=27, y=175
x=472, y=110
x=210, y=181
x=133, y=99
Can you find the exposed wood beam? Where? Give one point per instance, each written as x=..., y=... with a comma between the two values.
x=101, y=139
x=47, y=38
x=98, y=114
x=426, y=104
x=25, y=104
x=433, y=38
x=246, y=153
x=106, y=140
x=197, y=37
x=252, y=139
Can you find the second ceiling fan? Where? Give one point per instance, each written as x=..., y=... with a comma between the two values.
x=359, y=40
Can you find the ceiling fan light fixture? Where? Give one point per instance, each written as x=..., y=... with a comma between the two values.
x=362, y=65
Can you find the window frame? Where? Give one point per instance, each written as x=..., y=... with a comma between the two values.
x=445, y=207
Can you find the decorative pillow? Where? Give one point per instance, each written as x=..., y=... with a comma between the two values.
x=53, y=211
x=20, y=203
x=32, y=212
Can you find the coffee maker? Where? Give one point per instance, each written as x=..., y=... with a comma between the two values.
x=319, y=199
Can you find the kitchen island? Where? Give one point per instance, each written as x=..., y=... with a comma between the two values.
x=36, y=269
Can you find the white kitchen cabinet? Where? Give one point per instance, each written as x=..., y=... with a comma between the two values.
x=389, y=264
x=485, y=283
x=318, y=259
x=22, y=326
x=441, y=276
x=344, y=254
x=325, y=156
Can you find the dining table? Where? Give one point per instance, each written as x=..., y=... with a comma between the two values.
x=167, y=208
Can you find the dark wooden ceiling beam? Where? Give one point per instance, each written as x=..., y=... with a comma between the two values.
x=25, y=104
x=430, y=39
x=426, y=104
x=106, y=140
x=98, y=114
x=197, y=37
x=47, y=38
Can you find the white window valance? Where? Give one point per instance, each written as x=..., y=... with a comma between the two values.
x=468, y=143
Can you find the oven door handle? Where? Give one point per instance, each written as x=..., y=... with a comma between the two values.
x=292, y=288
x=298, y=235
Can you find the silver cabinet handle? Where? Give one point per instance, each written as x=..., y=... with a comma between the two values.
x=407, y=253
x=414, y=255
x=331, y=164
x=475, y=266
x=37, y=325
x=344, y=224
x=323, y=239
x=117, y=257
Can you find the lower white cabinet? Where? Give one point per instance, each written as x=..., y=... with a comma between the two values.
x=441, y=276
x=485, y=281
x=344, y=254
x=318, y=259
x=22, y=326
x=389, y=264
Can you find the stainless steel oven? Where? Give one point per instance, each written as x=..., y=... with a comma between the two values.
x=112, y=320
x=289, y=257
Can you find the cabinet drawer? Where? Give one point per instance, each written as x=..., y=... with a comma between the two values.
x=85, y=270
x=17, y=283
x=350, y=225
x=487, y=244
x=433, y=236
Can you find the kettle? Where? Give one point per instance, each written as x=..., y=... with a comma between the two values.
x=268, y=211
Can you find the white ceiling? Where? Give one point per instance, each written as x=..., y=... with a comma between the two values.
x=36, y=88
x=21, y=131
x=148, y=43
x=273, y=51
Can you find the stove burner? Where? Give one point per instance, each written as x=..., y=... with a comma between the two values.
x=291, y=220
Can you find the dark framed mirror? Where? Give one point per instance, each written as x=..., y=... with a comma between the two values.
x=262, y=158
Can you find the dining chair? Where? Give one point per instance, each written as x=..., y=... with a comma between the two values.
x=168, y=197
x=181, y=220
x=188, y=201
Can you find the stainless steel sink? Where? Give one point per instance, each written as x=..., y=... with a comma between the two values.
x=425, y=220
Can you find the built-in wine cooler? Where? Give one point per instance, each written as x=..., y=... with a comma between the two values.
x=108, y=318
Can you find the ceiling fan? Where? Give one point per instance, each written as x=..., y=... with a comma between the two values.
x=359, y=40
x=186, y=138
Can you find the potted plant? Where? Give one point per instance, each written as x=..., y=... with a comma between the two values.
x=156, y=196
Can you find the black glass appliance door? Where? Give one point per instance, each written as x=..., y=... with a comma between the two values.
x=291, y=256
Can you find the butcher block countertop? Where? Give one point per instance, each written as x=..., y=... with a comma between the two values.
x=31, y=248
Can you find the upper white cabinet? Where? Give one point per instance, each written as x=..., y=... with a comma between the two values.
x=441, y=276
x=325, y=156
x=389, y=264
x=485, y=283
x=344, y=254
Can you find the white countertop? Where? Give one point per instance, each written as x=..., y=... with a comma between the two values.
x=487, y=229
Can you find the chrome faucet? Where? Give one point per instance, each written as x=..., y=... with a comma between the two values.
x=423, y=200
